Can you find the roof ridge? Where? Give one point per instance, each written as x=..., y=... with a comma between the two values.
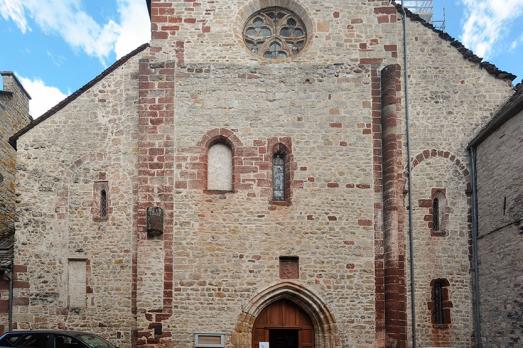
x=465, y=52
x=76, y=94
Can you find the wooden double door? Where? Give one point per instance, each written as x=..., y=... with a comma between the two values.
x=284, y=325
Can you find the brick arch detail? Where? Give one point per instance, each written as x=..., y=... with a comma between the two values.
x=433, y=153
x=325, y=328
x=220, y=134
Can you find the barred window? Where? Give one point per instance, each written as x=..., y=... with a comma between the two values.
x=275, y=32
x=103, y=204
x=440, y=304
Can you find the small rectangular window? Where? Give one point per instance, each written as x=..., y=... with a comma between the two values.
x=289, y=267
x=209, y=340
x=77, y=283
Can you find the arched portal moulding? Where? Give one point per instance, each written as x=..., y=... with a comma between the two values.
x=326, y=333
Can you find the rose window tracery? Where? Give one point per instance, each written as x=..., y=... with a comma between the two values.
x=275, y=33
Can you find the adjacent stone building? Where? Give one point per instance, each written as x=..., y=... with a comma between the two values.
x=14, y=115
x=499, y=169
x=243, y=179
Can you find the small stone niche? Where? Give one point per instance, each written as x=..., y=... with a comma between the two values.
x=154, y=222
x=289, y=267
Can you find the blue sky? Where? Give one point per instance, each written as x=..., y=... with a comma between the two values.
x=56, y=46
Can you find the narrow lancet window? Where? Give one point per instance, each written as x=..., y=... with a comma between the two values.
x=278, y=177
x=435, y=215
x=103, y=204
x=438, y=303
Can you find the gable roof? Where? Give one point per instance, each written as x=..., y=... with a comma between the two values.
x=79, y=92
x=510, y=109
x=465, y=52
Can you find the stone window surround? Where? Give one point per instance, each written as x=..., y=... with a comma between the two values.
x=230, y=170
x=254, y=6
x=446, y=304
x=228, y=138
x=98, y=187
x=440, y=195
x=289, y=267
x=282, y=149
x=275, y=27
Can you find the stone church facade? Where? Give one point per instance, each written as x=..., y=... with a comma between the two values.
x=242, y=179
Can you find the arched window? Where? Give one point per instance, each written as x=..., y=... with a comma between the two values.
x=100, y=206
x=281, y=174
x=103, y=204
x=440, y=304
x=278, y=177
x=435, y=214
x=219, y=167
x=439, y=213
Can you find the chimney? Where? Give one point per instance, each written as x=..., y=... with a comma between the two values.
x=18, y=95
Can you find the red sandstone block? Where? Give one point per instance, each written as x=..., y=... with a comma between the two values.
x=160, y=35
x=335, y=125
x=332, y=218
x=206, y=29
x=383, y=19
x=364, y=222
x=166, y=11
x=336, y=14
x=17, y=284
x=387, y=10
x=20, y=268
x=372, y=61
x=4, y=306
x=333, y=184
x=390, y=48
x=189, y=20
x=180, y=184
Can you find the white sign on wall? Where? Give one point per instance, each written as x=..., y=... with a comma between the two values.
x=264, y=345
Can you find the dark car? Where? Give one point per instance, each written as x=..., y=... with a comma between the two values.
x=53, y=339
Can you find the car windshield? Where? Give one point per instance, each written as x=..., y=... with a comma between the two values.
x=94, y=341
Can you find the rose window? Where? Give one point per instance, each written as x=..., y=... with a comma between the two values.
x=275, y=33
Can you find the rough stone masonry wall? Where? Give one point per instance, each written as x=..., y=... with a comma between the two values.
x=14, y=115
x=450, y=100
x=500, y=198
x=324, y=104
x=91, y=139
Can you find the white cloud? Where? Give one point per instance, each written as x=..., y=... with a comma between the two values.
x=43, y=97
x=14, y=10
x=515, y=43
x=78, y=29
x=134, y=27
x=487, y=21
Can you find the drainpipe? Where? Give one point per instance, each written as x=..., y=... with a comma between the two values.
x=10, y=309
x=475, y=261
x=409, y=178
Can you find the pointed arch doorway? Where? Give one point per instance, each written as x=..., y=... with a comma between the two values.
x=284, y=325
